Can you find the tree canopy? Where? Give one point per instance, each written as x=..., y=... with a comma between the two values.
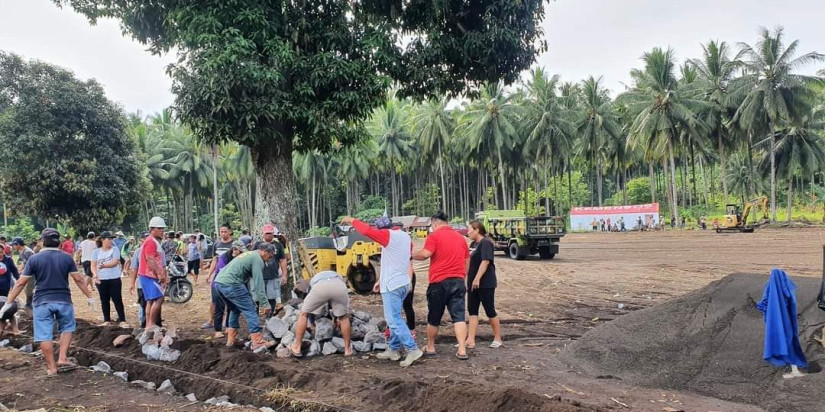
x=66, y=154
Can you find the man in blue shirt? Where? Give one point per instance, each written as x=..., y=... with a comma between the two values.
x=51, y=269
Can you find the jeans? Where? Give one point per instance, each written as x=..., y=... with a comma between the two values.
x=238, y=300
x=399, y=331
x=220, y=308
x=45, y=314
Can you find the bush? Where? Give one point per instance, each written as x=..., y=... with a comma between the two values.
x=319, y=231
x=23, y=227
x=369, y=214
x=373, y=202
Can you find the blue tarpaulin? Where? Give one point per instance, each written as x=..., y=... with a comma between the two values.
x=781, y=330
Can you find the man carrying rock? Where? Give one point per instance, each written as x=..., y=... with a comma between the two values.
x=230, y=284
x=51, y=269
x=449, y=261
x=323, y=290
x=393, y=284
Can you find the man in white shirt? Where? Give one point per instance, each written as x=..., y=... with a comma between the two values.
x=87, y=248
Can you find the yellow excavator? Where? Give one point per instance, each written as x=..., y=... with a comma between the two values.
x=736, y=219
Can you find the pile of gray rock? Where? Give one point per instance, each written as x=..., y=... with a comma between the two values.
x=157, y=346
x=323, y=338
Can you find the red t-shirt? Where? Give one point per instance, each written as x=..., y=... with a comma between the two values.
x=67, y=247
x=149, y=250
x=449, y=252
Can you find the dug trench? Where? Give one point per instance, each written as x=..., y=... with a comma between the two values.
x=334, y=383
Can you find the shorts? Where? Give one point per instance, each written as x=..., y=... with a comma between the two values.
x=45, y=314
x=273, y=289
x=194, y=266
x=330, y=291
x=152, y=290
x=484, y=297
x=87, y=268
x=448, y=293
x=9, y=315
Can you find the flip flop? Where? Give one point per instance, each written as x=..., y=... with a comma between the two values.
x=430, y=354
x=462, y=357
x=66, y=367
x=496, y=344
x=295, y=354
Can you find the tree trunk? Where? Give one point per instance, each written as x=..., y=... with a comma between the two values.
x=441, y=169
x=275, y=186
x=751, y=167
x=773, y=172
x=394, y=186
x=215, y=202
x=675, y=209
x=790, y=197
x=723, y=161
x=704, y=182
x=570, y=183
x=652, y=181
x=624, y=186
x=599, y=179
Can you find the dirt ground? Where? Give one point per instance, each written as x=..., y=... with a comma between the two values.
x=544, y=305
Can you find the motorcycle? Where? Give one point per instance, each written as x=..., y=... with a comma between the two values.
x=179, y=289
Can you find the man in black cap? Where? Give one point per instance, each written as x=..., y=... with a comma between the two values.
x=51, y=269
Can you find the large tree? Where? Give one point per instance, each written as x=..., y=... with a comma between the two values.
x=66, y=154
x=278, y=76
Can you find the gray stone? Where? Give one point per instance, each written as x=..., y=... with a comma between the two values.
x=357, y=333
x=361, y=346
x=27, y=348
x=211, y=401
x=167, y=387
x=4, y=343
x=191, y=397
x=379, y=346
x=120, y=340
x=145, y=385
x=338, y=342
x=375, y=337
x=288, y=311
x=329, y=348
x=261, y=350
x=143, y=338
x=277, y=327
x=169, y=355
x=122, y=375
x=151, y=351
x=37, y=354
x=323, y=329
x=283, y=353
x=166, y=342
x=101, y=367
x=225, y=404
x=314, y=349
x=4, y=408
x=291, y=319
x=369, y=327
x=361, y=315
x=266, y=409
x=295, y=302
x=288, y=338
x=216, y=401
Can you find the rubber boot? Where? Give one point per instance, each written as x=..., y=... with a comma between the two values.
x=258, y=341
x=231, y=336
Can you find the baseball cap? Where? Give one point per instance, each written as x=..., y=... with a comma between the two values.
x=18, y=241
x=144, y=234
x=51, y=233
x=238, y=245
x=106, y=235
x=268, y=228
x=90, y=234
x=383, y=222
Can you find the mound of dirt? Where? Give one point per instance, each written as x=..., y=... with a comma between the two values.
x=709, y=341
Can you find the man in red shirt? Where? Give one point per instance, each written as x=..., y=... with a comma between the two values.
x=67, y=246
x=449, y=259
x=151, y=273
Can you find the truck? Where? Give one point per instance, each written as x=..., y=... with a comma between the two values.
x=519, y=235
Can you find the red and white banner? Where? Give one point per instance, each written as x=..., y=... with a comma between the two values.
x=599, y=218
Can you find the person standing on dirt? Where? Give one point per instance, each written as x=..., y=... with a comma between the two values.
x=169, y=246
x=325, y=290
x=393, y=284
x=449, y=260
x=595, y=224
x=218, y=306
x=193, y=258
x=133, y=275
x=87, y=247
x=106, y=275
x=9, y=274
x=273, y=268
x=51, y=269
x=24, y=253
x=67, y=246
x=152, y=274
x=231, y=285
x=223, y=245
x=481, y=282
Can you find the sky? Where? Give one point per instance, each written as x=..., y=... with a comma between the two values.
x=585, y=37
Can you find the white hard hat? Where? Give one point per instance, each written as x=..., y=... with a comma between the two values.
x=157, y=221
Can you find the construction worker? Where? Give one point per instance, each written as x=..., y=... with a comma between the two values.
x=394, y=284
x=152, y=273
x=325, y=289
x=230, y=284
x=52, y=298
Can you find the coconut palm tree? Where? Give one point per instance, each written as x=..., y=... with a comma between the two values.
x=597, y=122
x=662, y=108
x=310, y=168
x=389, y=127
x=432, y=127
x=770, y=92
x=715, y=70
x=488, y=124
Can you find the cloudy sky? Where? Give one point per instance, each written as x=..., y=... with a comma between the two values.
x=598, y=37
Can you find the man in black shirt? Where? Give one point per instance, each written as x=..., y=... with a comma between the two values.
x=274, y=269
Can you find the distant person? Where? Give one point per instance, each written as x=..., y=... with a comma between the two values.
x=67, y=246
x=24, y=253
x=449, y=257
x=119, y=241
x=621, y=224
x=274, y=269
x=481, y=281
x=639, y=224
x=134, y=260
x=193, y=258
x=716, y=223
x=595, y=224
x=223, y=245
x=609, y=225
x=51, y=268
x=106, y=275
x=246, y=238
x=703, y=224
x=169, y=246
x=683, y=223
x=87, y=247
